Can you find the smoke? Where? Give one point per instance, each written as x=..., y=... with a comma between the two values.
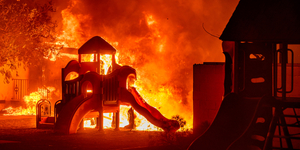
x=160, y=39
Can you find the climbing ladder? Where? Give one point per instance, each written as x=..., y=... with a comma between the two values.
x=284, y=131
x=253, y=67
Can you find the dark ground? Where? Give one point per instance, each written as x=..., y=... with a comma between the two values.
x=19, y=132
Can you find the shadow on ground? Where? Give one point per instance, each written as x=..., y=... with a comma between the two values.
x=19, y=132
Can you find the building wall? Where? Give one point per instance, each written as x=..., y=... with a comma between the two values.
x=7, y=91
x=208, y=91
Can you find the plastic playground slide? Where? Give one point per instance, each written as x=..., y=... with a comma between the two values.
x=232, y=120
x=73, y=112
x=168, y=125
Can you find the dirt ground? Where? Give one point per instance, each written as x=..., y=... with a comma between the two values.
x=19, y=132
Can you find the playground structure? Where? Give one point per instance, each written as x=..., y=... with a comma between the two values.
x=93, y=85
x=260, y=109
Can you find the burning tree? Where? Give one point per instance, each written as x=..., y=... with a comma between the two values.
x=26, y=34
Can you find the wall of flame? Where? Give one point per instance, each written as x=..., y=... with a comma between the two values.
x=160, y=39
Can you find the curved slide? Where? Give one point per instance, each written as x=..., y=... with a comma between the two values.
x=73, y=112
x=233, y=118
x=167, y=124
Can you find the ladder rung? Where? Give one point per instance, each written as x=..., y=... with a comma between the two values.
x=287, y=137
x=288, y=125
x=294, y=116
x=283, y=148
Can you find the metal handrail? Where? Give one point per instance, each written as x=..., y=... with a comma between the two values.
x=292, y=72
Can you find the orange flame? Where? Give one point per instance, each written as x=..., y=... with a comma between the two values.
x=153, y=80
x=30, y=101
x=87, y=58
x=105, y=63
x=71, y=28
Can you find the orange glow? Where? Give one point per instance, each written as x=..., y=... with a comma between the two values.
x=71, y=27
x=150, y=20
x=87, y=58
x=71, y=76
x=30, y=101
x=140, y=121
x=92, y=122
x=163, y=77
x=89, y=91
x=107, y=120
x=89, y=123
x=123, y=115
x=71, y=56
x=117, y=58
x=106, y=62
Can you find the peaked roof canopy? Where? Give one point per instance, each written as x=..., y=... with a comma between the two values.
x=265, y=21
x=96, y=45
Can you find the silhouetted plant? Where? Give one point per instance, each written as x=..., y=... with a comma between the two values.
x=27, y=31
x=183, y=135
x=180, y=120
x=174, y=137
